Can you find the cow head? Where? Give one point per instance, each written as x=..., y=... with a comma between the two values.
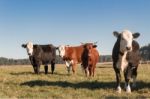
x=61, y=50
x=125, y=40
x=88, y=48
x=29, y=48
x=89, y=45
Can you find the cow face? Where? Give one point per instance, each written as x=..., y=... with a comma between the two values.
x=29, y=48
x=88, y=48
x=61, y=50
x=126, y=38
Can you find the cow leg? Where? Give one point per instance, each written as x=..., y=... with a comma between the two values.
x=134, y=75
x=68, y=68
x=35, y=69
x=68, y=64
x=73, y=68
x=127, y=75
x=86, y=72
x=90, y=70
x=93, y=70
x=46, y=69
x=52, y=66
x=38, y=69
x=118, y=77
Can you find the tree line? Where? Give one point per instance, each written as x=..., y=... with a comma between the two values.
x=145, y=52
x=6, y=61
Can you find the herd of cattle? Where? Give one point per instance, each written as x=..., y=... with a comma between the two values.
x=125, y=55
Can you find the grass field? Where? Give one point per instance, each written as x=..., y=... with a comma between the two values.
x=21, y=82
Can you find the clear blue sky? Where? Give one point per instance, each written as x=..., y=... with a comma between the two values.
x=70, y=22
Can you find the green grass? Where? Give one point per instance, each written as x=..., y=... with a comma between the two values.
x=21, y=82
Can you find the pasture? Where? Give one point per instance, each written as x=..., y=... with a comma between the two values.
x=21, y=82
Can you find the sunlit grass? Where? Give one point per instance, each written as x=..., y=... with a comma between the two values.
x=21, y=82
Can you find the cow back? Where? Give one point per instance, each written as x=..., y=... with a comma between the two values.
x=96, y=54
x=134, y=56
x=44, y=53
x=74, y=53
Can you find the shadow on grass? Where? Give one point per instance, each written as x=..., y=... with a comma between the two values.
x=104, y=67
x=28, y=73
x=32, y=73
x=126, y=97
x=142, y=85
x=85, y=84
x=22, y=73
x=61, y=74
x=65, y=84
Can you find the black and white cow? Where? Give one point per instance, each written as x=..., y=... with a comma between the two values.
x=41, y=55
x=126, y=57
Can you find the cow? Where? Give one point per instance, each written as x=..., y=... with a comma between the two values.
x=41, y=55
x=71, y=55
x=126, y=58
x=90, y=57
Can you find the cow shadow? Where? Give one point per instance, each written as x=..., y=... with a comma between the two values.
x=28, y=73
x=104, y=67
x=65, y=84
x=85, y=84
x=32, y=73
x=62, y=74
x=125, y=97
x=142, y=85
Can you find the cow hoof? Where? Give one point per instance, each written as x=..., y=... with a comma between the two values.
x=128, y=92
x=118, y=89
x=128, y=89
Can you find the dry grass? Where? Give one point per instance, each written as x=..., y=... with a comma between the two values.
x=21, y=82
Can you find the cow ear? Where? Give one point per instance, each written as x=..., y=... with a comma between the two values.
x=35, y=46
x=56, y=48
x=24, y=45
x=116, y=34
x=136, y=35
x=94, y=46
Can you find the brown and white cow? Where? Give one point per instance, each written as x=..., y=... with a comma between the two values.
x=71, y=55
x=90, y=58
x=126, y=57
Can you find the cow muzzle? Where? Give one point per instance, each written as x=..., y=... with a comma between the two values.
x=128, y=48
x=29, y=54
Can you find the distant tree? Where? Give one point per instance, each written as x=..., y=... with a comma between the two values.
x=6, y=61
x=145, y=52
